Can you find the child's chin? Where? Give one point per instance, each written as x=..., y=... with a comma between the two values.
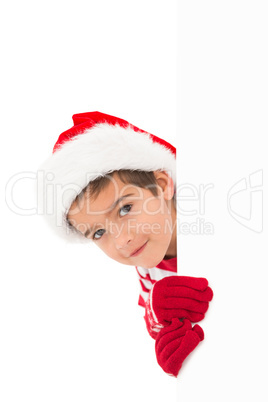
x=151, y=264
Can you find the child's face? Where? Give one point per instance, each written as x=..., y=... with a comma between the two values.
x=140, y=230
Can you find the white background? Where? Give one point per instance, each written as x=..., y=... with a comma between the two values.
x=71, y=329
x=222, y=131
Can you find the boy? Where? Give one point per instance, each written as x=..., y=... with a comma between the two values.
x=111, y=183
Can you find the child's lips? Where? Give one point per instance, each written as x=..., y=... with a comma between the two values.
x=138, y=250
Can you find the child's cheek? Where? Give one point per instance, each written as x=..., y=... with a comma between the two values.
x=108, y=247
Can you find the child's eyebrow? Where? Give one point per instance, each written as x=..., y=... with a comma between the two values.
x=88, y=231
x=119, y=200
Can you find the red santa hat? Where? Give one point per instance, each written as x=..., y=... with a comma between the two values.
x=96, y=145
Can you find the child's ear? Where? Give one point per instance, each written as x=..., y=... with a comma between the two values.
x=166, y=184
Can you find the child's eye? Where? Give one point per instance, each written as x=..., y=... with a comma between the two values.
x=125, y=210
x=97, y=235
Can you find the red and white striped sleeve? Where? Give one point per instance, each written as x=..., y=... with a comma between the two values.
x=147, y=277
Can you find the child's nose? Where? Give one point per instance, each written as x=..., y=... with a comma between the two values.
x=122, y=238
x=122, y=243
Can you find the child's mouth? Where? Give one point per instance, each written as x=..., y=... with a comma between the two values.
x=137, y=252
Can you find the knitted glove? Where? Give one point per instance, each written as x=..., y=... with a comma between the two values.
x=176, y=297
x=174, y=343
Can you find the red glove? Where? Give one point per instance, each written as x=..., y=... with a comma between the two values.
x=176, y=297
x=174, y=343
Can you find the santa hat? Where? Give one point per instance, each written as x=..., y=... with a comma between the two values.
x=96, y=145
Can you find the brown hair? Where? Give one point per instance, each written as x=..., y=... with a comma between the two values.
x=138, y=178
